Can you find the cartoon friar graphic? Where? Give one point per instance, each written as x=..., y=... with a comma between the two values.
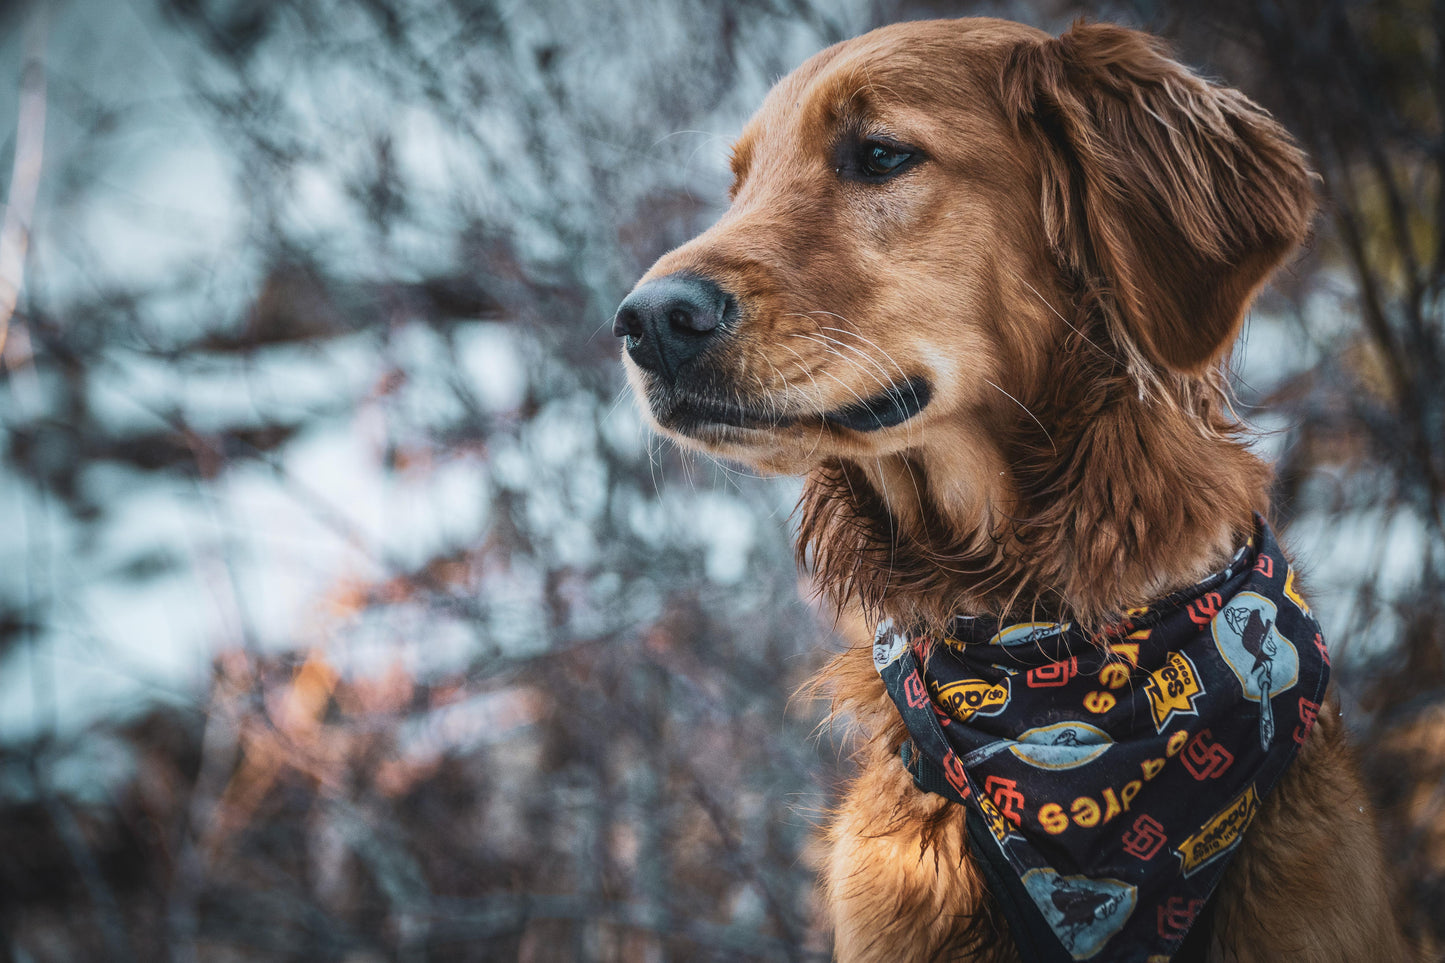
x=1254, y=636
x=1084, y=913
x=1265, y=662
x=1067, y=736
x=1062, y=745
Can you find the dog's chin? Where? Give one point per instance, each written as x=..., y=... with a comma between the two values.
x=768, y=436
x=750, y=434
x=703, y=417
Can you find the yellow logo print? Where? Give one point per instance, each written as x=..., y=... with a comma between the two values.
x=1173, y=688
x=998, y=824
x=1114, y=675
x=1221, y=834
x=962, y=700
x=1129, y=650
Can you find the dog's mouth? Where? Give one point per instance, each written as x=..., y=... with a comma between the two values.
x=890, y=407
x=691, y=415
x=702, y=416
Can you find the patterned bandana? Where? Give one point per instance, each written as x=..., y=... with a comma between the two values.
x=1109, y=779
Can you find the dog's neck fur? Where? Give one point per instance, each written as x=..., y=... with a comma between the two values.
x=1108, y=500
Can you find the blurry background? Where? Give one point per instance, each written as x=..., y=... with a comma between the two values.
x=347, y=612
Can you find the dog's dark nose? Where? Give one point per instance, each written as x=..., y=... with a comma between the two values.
x=669, y=321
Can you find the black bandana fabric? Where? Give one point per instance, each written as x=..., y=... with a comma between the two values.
x=1117, y=774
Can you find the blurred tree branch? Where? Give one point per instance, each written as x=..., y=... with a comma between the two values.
x=25, y=174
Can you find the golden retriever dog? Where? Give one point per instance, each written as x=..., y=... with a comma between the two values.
x=977, y=285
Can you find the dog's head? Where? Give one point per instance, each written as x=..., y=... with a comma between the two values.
x=977, y=283
x=915, y=216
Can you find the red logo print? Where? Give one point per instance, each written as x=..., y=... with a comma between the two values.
x=1202, y=610
x=953, y=772
x=1265, y=566
x=913, y=689
x=1053, y=675
x=1308, y=711
x=943, y=717
x=1320, y=644
x=1176, y=916
x=1005, y=795
x=1205, y=759
x=1145, y=839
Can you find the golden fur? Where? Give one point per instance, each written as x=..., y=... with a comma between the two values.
x=1064, y=260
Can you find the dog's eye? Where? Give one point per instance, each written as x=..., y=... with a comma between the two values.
x=873, y=161
x=880, y=160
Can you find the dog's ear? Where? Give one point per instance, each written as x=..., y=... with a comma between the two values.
x=1171, y=197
